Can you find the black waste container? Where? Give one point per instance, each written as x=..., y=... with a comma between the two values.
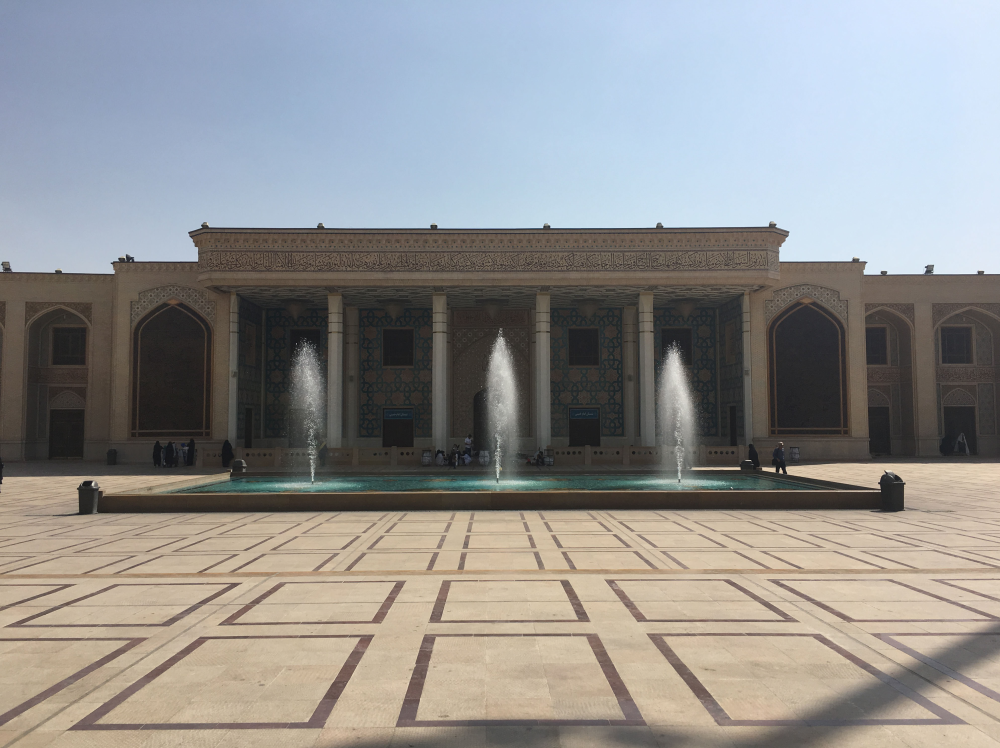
x=892, y=492
x=88, y=492
x=112, y=456
x=238, y=468
x=746, y=465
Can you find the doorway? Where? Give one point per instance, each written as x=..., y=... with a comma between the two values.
x=584, y=427
x=961, y=420
x=879, y=432
x=479, y=421
x=65, y=434
x=397, y=427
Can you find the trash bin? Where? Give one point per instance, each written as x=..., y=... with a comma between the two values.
x=746, y=465
x=892, y=492
x=88, y=492
x=793, y=454
x=112, y=456
x=238, y=467
x=426, y=458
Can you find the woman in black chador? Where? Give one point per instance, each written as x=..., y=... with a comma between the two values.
x=168, y=455
x=753, y=456
x=190, y=455
x=227, y=453
x=157, y=454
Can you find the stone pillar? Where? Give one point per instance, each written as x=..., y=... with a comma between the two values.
x=925, y=411
x=543, y=370
x=647, y=370
x=351, y=342
x=12, y=385
x=439, y=372
x=334, y=370
x=234, y=368
x=629, y=340
x=747, y=373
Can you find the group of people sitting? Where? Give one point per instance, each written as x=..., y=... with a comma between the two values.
x=777, y=458
x=172, y=455
x=456, y=457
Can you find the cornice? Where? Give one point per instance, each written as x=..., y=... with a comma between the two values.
x=155, y=267
x=19, y=277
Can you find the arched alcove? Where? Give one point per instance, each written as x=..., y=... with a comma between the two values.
x=171, y=373
x=889, y=353
x=807, y=371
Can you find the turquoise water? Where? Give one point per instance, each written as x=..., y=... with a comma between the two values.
x=481, y=482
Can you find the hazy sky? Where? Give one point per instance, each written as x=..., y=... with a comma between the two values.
x=867, y=129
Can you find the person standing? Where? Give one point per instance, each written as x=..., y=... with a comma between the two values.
x=182, y=454
x=1, y=472
x=778, y=459
x=168, y=455
x=190, y=452
x=157, y=454
x=753, y=456
x=227, y=453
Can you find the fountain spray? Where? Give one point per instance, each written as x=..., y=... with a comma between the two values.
x=676, y=407
x=307, y=398
x=501, y=403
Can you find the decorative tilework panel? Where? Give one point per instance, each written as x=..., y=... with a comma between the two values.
x=250, y=368
x=404, y=386
x=278, y=325
x=704, y=379
x=731, y=363
x=596, y=386
x=987, y=409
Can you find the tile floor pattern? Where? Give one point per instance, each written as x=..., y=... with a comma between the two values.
x=603, y=628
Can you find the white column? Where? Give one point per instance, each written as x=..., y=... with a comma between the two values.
x=647, y=367
x=543, y=370
x=234, y=368
x=439, y=372
x=747, y=373
x=334, y=370
x=629, y=340
x=12, y=388
x=351, y=341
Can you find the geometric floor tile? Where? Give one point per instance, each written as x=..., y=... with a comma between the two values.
x=694, y=601
x=319, y=602
x=508, y=601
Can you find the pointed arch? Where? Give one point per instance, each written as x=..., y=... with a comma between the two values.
x=172, y=373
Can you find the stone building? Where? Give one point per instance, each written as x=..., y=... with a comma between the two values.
x=835, y=362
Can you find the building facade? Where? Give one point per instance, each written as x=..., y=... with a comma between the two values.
x=815, y=354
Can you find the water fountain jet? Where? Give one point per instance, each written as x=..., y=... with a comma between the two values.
x=676, y=407
x=501, y=403
x=307, y=398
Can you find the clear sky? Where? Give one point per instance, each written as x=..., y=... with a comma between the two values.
x=867, y=129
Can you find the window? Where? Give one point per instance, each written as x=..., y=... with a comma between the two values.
x=876, y=343
x=956, y=345
x=679, y=336
x=69, y=346
x=584, y=347
x=397, y=347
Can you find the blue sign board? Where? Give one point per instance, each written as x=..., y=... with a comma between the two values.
x=584, y=414
x=397, y=414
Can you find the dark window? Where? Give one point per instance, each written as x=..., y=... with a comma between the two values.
x=876, y=342
x=69, y=346
x=397, y=348
x=956, y=345
x=298, y=337
x=584, y=347
x=679, y=336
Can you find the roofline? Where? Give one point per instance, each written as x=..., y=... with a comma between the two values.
x=638, y=230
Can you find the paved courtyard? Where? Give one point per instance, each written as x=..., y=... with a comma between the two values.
x=603, y=628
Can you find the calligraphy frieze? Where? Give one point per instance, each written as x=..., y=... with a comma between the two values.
x=485, y=261
x=967, y=373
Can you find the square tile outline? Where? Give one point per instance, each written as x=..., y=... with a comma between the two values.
x=317, y=720
x=414, y=690
x=17, y=711
x=438, y=547
x=9, y=548
x=572, y=566
x=404, y=518
x=992, y=543
x=226, y=533
x=58, y=588
x=64, y=574
x=541, y=516
x=184, y=548
x=819, y=536
x=356, y=561
x=279, y=555
x=756, y=522
x=442, y=600
x=470, y=531
x=183, y=555
x=416, y=531
x=96, y=548
x=809, y=532
x=379, y=616
x=624, y=545
x=463, y=557
x=712, y=550
x=940, y=666
x=548, y=527
x=342, y=532
x=671, y=521
x=928, y=550
x=171, y=525
x=13, y=561
x=278, y=547
x=775, y=555
x=640, y=617
x=722, y=718
x=531, y=541
x=848, y=619
x=688, y=534
x=773, y=534
x=226, y=587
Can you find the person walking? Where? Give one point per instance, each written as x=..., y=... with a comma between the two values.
x=157, y=454
x=778, y=459
x=190, y=453
x=168, y=455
